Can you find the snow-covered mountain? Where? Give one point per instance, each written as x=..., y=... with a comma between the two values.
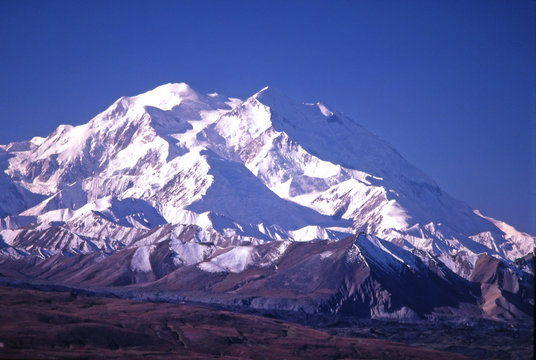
x=268, y=168
x=232, y=173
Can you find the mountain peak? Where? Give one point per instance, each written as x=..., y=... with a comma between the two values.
x=278, y=101
x=166, y=96
x=176, y=88
x=269, y=95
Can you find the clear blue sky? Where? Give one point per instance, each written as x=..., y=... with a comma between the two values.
x=451, y=84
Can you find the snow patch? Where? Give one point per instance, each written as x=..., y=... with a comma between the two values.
x=324, y=110
x=308, y=233
x=141, y=259
x=236, y=260
x=211, y=267
x=189, y=253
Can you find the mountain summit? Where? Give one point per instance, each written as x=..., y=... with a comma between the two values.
x=202, y=173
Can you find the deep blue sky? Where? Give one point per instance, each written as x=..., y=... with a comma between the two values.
x=451, y=84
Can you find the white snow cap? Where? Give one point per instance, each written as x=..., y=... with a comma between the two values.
x=166, y=96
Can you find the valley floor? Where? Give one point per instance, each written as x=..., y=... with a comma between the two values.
x=37, y=324
x=482, y=340
x=43, y=324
